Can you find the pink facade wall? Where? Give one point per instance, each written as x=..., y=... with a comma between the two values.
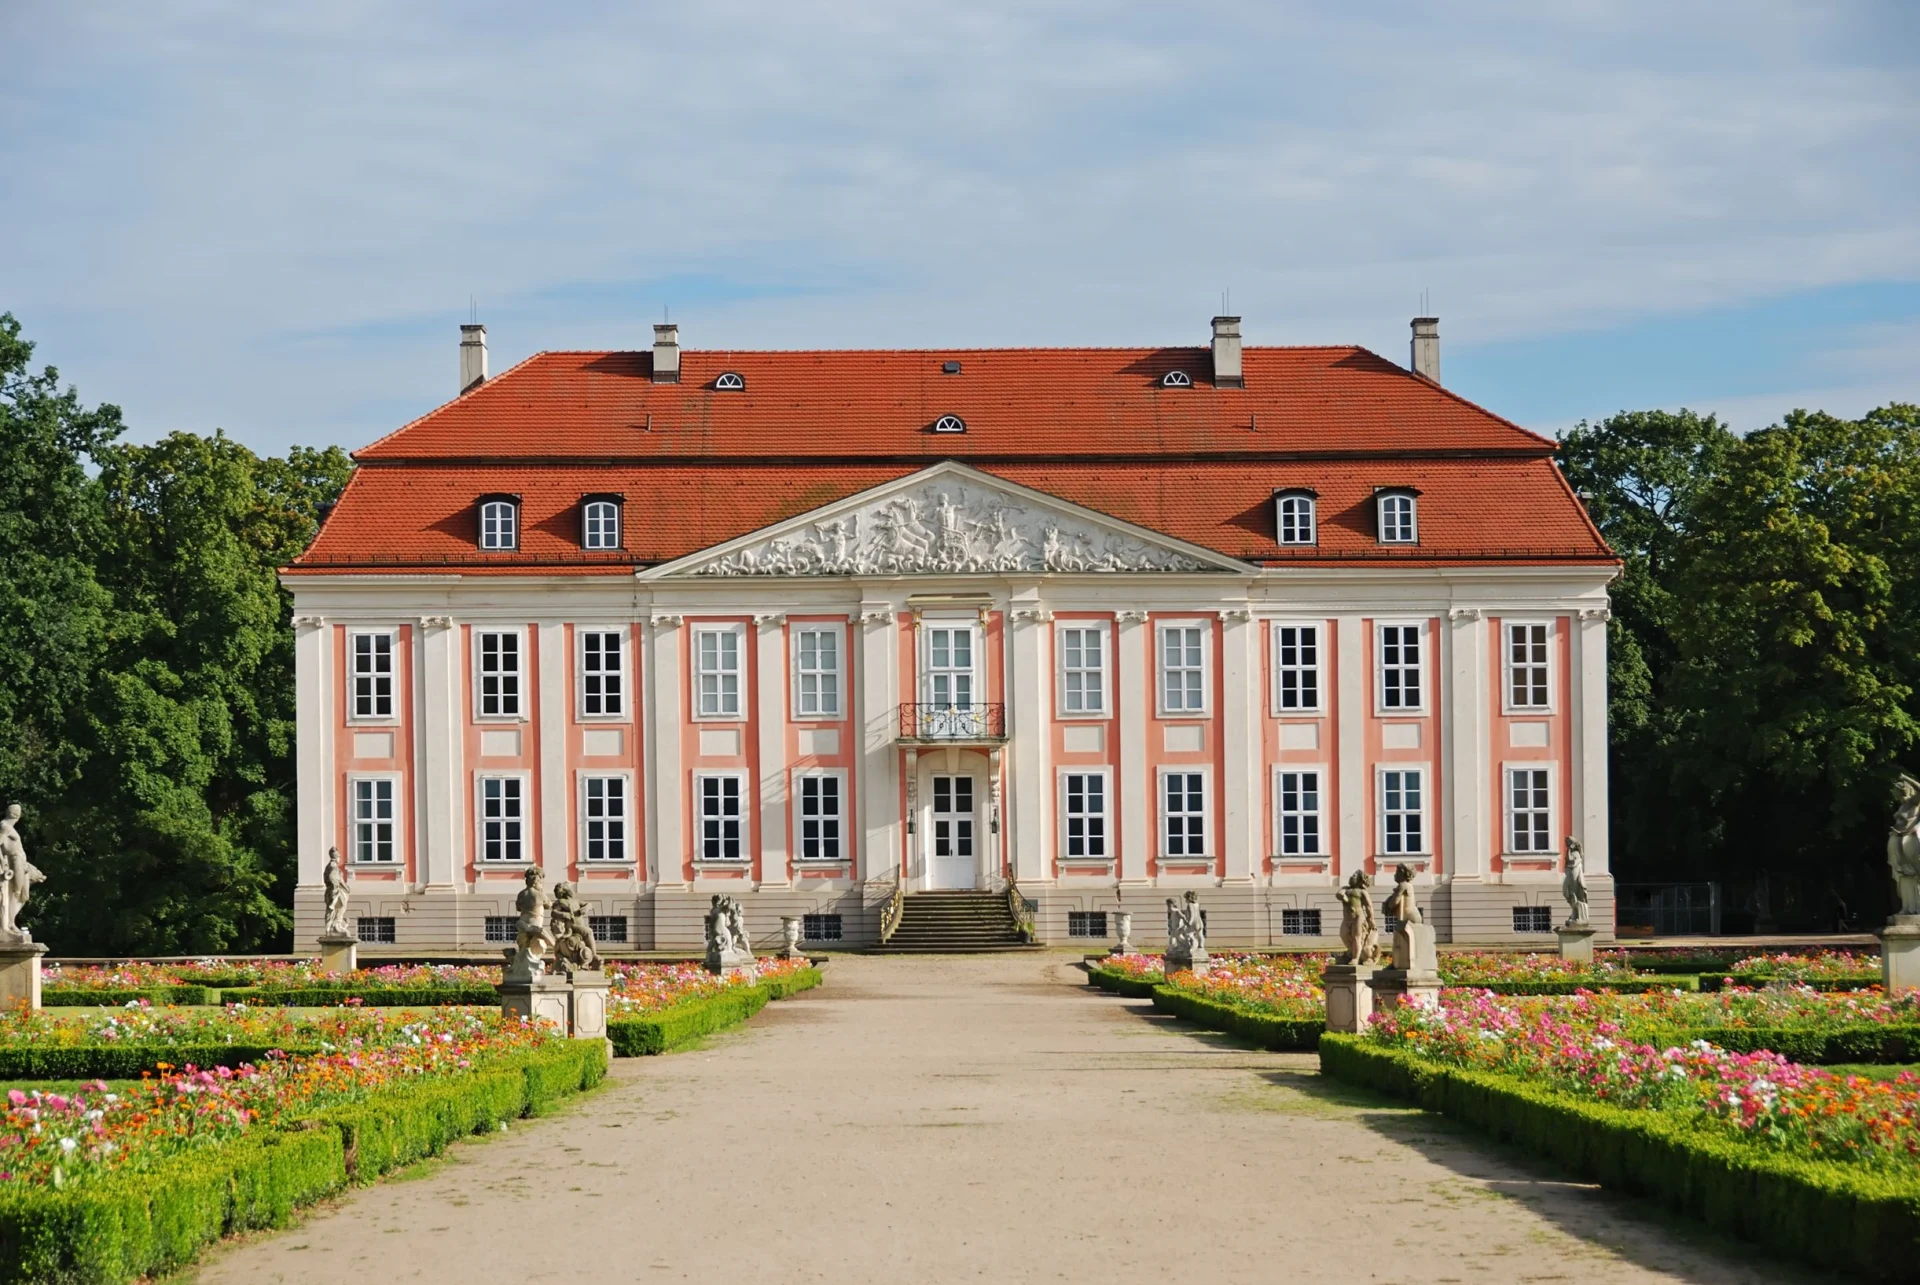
x=1557, y=753
x=1063, y=759
x=1324, y=756
x=399, y=763
x=1426, y=755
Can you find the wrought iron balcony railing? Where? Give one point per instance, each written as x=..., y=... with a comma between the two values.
x=928, y=721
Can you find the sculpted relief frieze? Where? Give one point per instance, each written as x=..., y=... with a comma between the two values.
x=947, y=527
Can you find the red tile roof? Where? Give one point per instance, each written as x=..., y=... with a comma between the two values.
x=1094, y=427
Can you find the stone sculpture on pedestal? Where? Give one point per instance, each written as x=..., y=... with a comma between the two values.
x=1576, y=935
x=729, y=948
x=1349, y=983
x=573, y=947
x=1900, y=939
x=1359, y=930
x=533, y=944
x=1414, y=977
x=526, y=990
x=19, y=952
x=1186, y=935
x=339, y=948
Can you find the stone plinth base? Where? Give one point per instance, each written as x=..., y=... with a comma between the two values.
x=1900, y=954
x=728, y=965
x=1196, y=962
x=20, y=974
x=1349, y=990
x=339, y=953
x=1393, y=987
x=587, y=1005
x=1576, y=942
x=1413, y=949
x=544, y=999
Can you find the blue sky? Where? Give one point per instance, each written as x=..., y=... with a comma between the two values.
x=272, y=219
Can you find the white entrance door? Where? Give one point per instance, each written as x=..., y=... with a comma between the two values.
x=951, y=859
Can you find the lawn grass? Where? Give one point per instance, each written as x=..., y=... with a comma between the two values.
x=1872, y=1071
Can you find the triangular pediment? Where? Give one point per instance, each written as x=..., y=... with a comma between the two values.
x=947, y=520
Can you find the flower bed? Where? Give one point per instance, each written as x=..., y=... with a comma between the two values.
x=669, y=1012
x=1835, y=970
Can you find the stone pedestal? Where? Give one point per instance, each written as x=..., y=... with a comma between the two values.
x=20, y=974
x=1414, y=950
x=339, y=953
x=587, y=1005
x=1196, y=962
x=1393, y=987
x=1899, y=954
x=1123, y=929
x=1576, y=942
x=1349, y=990
x=544, y=999
x=729, y=964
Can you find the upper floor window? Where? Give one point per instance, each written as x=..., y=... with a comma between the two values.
x=1176, y=379
x=816, y=663
x=1400, y=685
x=730, y=381
x=500, y=523
x=1083, y=670
x=1527, y=686
x=600, y=524
x=1294, y=517
x=717, y=660
x=602, y=674
x=499, y=675
x=1398, y=524
x=1183, y=669
x=1298, y=667
x=372, y=661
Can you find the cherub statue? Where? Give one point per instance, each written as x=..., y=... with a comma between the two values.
x=1903, y=844
x=533, y=943
x=572, y=936
x=334, y=879
x=1573, y=884
x=1359, y=930
x=17, y=877
x=1400, y=904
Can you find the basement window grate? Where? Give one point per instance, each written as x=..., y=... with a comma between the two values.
x=820, y=927
x=503, y=928
x=1300, y=923
x=374, y=930
x=1086, y=923
x=1533, y=919
x=608, y=928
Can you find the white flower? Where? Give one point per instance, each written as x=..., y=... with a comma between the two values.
x=68, y=1144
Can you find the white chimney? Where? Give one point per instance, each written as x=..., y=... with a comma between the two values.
x=1426, y=348
x=473, y=357
x=1226, y=352
x=666, y=353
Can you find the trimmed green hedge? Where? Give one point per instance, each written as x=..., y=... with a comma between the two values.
x=1127, y=984
x=672, y=1028
x=1831, y=1214
x=134, y=1224
x=1680, y=962
x=371, y=996
x=1814, y=1046
x=76, y=997
x=123, y=1061
x=1281, y=1034
x=1758, y=981
x=1633, y=986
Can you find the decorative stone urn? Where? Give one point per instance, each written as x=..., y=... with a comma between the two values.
x=790, y=937
x=1123, y=928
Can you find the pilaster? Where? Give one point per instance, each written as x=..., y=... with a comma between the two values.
x=1466, y=745
x=666, y=805
x=1028, y=708
x=312, y=700
x=1353, y=688
x=877, y=714
x=1133, y=787
x=770, y=727
x=1587, y=701
x=443, y=711
x=1240, y=706
x=555, y=815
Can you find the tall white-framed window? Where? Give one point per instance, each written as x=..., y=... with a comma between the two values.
x=1400, y=663
x=1296, y=669
x=1084, y=813
x=1083, y=669
x=370, y=674
x=817, y=652
x=1183, y=669
x=717, y=807
x=1403, y=811
x=498, y=667
x=822, y=798
x=500, y=525
x=502, y=802
x=1529, y=671
x=1297, y=801
x=374, y=819
x=1398, y=517
x=1183, y=814
x=950, y=656
x=600, y=524
x=1294, y=518
x=716, y=659
x=603, y=673
x=1529, y=808
x=604, y=817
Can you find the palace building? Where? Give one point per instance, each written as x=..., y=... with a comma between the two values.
x=1073, y=629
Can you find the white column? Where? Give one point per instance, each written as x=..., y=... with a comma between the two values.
x=877, y=715
x=770, y=730
x=1353, y=688
x=666, y=847
x=1133, y=787
x=313, y=703
x=1588, y=703
x=1464, y=702
x=1240, y=707
x=443, y=709
x=555, y=815
x=1028, y=707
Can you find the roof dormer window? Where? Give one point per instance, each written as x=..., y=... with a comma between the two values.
x=600, y=522
x=1294, y=517
x=1397, y=514
x=730, y=381
x=949, y=424
x=500, y=523
x=1176, y=379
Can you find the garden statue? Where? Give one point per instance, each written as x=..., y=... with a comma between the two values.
x=1359, y=930
x=1573, y=885
x=1400, y=904
x=17, y=877
x=532, y=943
x=729, y=948
x=1903, y=845
x=334, y=877
x=572, y=934
x=1186, y=935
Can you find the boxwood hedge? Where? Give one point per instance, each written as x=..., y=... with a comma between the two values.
x=77, y=997
x=1621, y=986
x=671, y=1028
x=1759, y=981
x=371, y=996
x=1815, y=1046
x=1861, y=1222
x=1128, y=984
x=123, y=1061
x=132, y=1224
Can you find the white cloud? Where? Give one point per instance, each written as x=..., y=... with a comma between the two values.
x=227, y=213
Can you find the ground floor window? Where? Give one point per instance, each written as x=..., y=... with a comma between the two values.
x=373, y=820
x=1300, y=923
x=607, y=928
x=719, y=801
x=603, y=818
x=820, y=927
x=1533, y=919
x=502, y=818
x=1402, y=812
x=1300, y=814
x=1529, y=810
x=820, y=814
x=1086, y=815
x=1184, y=814
x=1086, y=923
x=502, y=928
x=375, y=930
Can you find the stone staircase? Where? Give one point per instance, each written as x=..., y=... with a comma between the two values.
x=955, y=923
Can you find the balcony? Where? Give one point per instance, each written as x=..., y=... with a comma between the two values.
x=926, y=723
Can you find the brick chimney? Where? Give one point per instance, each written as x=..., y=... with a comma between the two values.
x=666, y=353
x=1426, y=348
x=1226, y=352
x=473, y=357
